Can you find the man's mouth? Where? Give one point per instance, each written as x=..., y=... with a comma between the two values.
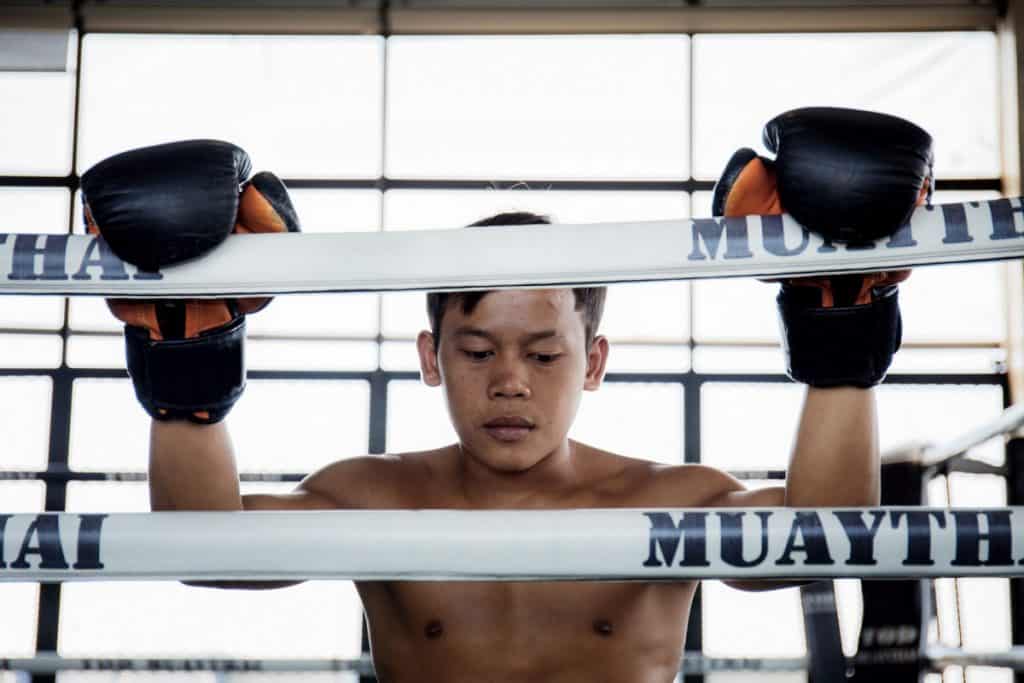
x=509, y=429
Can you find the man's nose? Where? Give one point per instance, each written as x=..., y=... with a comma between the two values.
x=510, y=380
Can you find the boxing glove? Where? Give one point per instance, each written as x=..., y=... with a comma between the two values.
x=164, y=204
x=846, y=174
x=838, y=330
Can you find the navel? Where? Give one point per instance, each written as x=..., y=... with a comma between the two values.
x=603, y=628
x=434, y=629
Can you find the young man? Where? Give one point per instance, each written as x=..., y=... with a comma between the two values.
x=512, y=365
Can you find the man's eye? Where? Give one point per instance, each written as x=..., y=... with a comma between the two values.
x=477, y=355
x=546, y=358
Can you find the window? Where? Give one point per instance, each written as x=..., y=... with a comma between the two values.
x=407, y=133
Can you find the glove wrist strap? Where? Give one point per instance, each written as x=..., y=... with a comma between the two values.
x=198, y=378
x=840, y=346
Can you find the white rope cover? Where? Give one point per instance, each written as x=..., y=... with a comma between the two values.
x=641, y=544
x=517, y=256
x=693, y=663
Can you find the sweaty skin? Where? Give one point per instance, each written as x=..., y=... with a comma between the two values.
x=513, y=372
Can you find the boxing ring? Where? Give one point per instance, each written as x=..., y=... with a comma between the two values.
x=896, y=541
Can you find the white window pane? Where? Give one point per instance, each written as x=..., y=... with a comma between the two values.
x=770, y=359
x=636, y=420
x=735, y=310
x=944, y=82
x=102, y=496
x=35, y=123
x=32, y=210
x=18, y=627
x=277, y=425
x=919, y=361
x=276, y=354
x=749, y=426
x=101, y=351
x=404, y=314
x=90, y=314
x=353, y=315
x=31, y=350
x=955, y=303
x=646, y=358
x=20, y=600
x=289, y=426
x=399, y=355
x=647, y=312
x=538, y=107
x=22, y=496
x=109, y=429
x=937, y=414
x=426, y=209
x=302, y=106
x=25, y=421
x=337, y=210
x=751, y=624
x=166, y=619
x=739, y=359
x=417, y=417
x=654, y=311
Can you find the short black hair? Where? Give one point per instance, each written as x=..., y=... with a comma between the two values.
x=589, y=300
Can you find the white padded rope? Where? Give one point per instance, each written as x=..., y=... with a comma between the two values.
x=596, y=544
x=515, y=256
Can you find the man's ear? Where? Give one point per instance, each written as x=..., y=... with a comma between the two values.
x=597, y=360
x=429, y=369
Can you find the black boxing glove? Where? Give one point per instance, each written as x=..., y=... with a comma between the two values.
x=160, y=205
x=836, y=331
x=849, y=175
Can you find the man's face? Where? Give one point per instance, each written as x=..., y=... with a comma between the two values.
x=513, y=371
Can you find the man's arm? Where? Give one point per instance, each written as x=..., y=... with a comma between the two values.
x=192, y=467
x=834, y=463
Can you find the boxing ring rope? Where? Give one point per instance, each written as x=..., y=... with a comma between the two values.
x=934, y=658
x=1008, y=421
x=511, y=256
x=521, y=545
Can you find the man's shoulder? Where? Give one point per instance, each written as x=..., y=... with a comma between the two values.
x=378, y=480
x=636, y=481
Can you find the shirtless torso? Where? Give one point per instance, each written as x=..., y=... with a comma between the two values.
x=524, y=631
x=513, y=370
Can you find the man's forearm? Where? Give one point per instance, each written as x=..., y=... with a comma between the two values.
x=835, y=460
x=192, y=467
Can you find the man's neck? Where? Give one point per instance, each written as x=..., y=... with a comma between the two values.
x=487, y=487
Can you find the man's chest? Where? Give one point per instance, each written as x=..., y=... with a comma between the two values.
x=529, y=613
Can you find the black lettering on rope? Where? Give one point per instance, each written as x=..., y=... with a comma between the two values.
x=3, y=529
x=860, y=535
x=51, y=555
x=732, y=538
x=955, y=218
x=774, y=237
x=665, y=535
x=806, y=525
x=969, y=538
x=89, y=530
x=737, y=242
x=111, y=267
x=919, y=534
x=53, y=251
x=1003, y=224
